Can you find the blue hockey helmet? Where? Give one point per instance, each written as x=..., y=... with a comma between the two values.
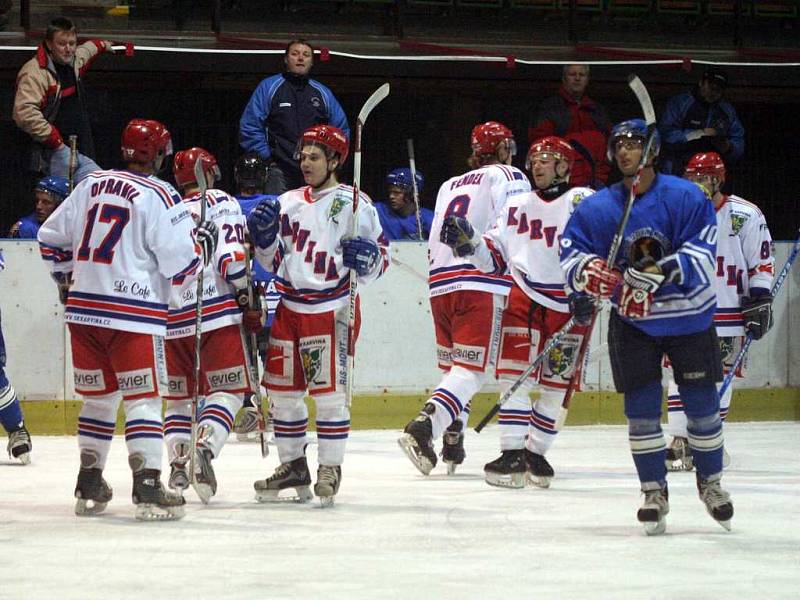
x=402, y=178
x=57, y=187
x=632, y=129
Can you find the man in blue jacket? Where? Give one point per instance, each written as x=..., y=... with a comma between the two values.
x=280, y=109
x=47, y=195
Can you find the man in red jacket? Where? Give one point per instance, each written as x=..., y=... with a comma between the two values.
x=572, y=115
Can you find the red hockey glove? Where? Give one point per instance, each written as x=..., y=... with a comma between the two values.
x=596, y=279
x=637, y=292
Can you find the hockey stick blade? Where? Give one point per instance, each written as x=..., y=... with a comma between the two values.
x=373, y=101
x=199, y=176
x=643, y=96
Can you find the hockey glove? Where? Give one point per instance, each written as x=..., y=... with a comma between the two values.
x=361, y=254
x=459, y=235
x=757, y=313
x=253, y=317
x=207, y=233
x=63, y=281
x=595, y=278
x=582, y=308
x=263, y=222
x=637, y=292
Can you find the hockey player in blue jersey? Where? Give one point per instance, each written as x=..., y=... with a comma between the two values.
x=49, y=192
x=398, y=214
x=19, y=440
x=661, y=287
x=250, y=175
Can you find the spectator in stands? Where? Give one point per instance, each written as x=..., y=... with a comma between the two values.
x=572, y=115
x=50, y=104
x=47, y=195
x=283, y=107
x=398, y=215
x=699, y=120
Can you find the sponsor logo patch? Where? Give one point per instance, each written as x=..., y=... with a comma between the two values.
x=469, y=355
x=226, y=379
x=178, y=386
x=139, y=381
x=89, y=380
x=313, y=357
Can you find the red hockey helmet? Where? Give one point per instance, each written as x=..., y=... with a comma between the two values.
x=705, y=163
x=184, y=161
x=145, y=141
x=329, y=137
x=551, y=147
x=486, y=137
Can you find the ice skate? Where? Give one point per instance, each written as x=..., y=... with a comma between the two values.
x=19, y=445
x=246, y=427
x=453, y=453
x=205, y=482
x=506, y=471
x=92, y=491
x=179, y=469
x=328, y=479
x=153, y=502
x=718, y=501
x=679, y=455
x=293, y=475
x=654, y=509
x=417, y=441
x=538, y=471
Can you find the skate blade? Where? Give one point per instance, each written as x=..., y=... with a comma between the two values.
x=179, y=483
x=539, y=481
x=451, y=468
x=679, y=465
x=301, y=495
x=326, y=501
x=87, y=508
x=726, y=525
x=154, y=512
x=409, y=446
x=204, y=491
x=655, y=527
x=511, y=481
x=25, y=458
x=249, y=436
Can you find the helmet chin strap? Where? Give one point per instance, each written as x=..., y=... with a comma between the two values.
x=556, y=189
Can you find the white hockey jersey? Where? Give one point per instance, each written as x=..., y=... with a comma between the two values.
x=525, y=242
x=479, y=196
x=744, y=261
x=307, y=257
x=222, y=276
x=123, y=236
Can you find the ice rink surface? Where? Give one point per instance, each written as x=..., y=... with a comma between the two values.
x=396, y=534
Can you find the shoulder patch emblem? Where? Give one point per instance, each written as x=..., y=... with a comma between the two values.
x=737, y=222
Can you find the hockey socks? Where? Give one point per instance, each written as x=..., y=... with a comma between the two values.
x=144, y=431
x=514, y=417
x=96, y=426
x=648, y=446
x=455, y=390
x=10, y=409
x=217, y=418
x=333, y=429
x=544, y=413
x=290, y=420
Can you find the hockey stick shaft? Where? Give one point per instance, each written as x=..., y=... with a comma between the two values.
x=412, y=164
x=776, y=287
x=373, y=101
x=202, y=184
x=551, y=343
x=73, y=161
x=255, y=374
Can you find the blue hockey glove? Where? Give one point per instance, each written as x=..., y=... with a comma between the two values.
x=757, y=313
x=207, y=233
x=263, y=222
x=458, y=234
x=360, y=254
x=582, y=308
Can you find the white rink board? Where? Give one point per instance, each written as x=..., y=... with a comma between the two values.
x=396, y=350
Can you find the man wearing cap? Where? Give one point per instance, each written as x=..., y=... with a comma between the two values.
x=700, y=121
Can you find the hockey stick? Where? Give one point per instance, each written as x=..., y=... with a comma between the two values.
x=202, y=184
x=552, y=343
x=413, y=166
x=73, y=161
x=776, y=287
x=373, y=101
x=255, y=376
x=646, y=104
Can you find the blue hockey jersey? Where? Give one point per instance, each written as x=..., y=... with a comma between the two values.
x=673, y=223
x=264, y=280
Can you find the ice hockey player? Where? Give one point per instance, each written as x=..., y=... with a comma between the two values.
x=398, y=214
x=224, y=367
x=19, y=440
x=662, y=303
x=743, y=281
x=49, y=192
x=114, y=245
x=466, y=303
x=305, y=238
x=524, y=243
x=250, y=175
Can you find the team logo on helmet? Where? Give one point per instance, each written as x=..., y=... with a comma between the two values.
x=737, y=222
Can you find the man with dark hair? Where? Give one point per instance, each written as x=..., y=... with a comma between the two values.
x=280, y=109
x=700, y=120
x=50, y=103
